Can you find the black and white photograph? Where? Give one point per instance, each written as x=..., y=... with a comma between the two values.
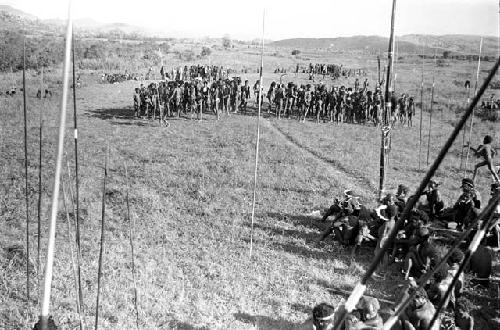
x=250, y=165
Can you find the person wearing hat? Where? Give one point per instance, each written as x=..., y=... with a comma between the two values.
x=349, y=205
x=323, y=317
x=466, y=208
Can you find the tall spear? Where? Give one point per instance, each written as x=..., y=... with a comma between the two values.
x=258, y=137
x=39, y=230
x=463, y=133
x=386, y=129
x=472, y=116
x=77, y=192
x=378, y=67
x=421, y=106
x=26, y=177
x=101, y=250
x=430, y=110
x=44, y=315
x=131, y=240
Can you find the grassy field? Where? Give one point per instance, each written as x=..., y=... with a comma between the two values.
x=191, y=193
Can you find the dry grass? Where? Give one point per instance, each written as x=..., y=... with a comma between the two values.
x=191, y=189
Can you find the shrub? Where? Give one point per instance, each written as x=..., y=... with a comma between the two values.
x=295, y=52
x=206, y=51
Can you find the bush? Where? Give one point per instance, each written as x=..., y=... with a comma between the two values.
x=226, y=41
x=187, y=55
x=295, y=52
x=206, y=51
x=495, y=84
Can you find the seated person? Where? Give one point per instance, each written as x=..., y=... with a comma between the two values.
x=435, y=202
x=466, y=207
x=348, y=204
x=421, y=257
x=419, y=313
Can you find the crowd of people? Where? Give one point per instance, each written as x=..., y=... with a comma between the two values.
x=415, y=249
x=324, y=70
x=194, y=92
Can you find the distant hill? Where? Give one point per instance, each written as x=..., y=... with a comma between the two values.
x=457, y=43
x=16, y=12
x=409, y=44
x=370, y=44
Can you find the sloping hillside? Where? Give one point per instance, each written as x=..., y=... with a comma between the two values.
x=371, y=44
x=458, y=43
x=466, y=44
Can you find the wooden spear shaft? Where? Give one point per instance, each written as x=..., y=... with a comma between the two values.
x=421, y=108
x=385, y=134
x=101, y=251
x=39, y=230
x=44, y=315
x=72, y=254
x=257, y=138
x=431, y=110
x=77, y=191
x=131, y=240
x=26, y=177
x=472, y=116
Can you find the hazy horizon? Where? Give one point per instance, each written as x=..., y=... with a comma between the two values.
x=283, y=19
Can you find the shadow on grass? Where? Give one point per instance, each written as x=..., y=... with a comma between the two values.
x=299, y=220
x=297, y=241
x=265, y=322
x=112, y=113
x=184, y=326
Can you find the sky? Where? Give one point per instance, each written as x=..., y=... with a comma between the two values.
x=242, y=19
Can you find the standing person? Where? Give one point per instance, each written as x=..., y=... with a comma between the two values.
x=486, y=152
x=137, y=102
x=279, y=98
x=245, y=96
x=226, y=92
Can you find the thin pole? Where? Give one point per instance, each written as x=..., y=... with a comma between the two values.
x=378, y=69
x=101, y=251
x=385, y=134
x=258, y=137
x=472, y=117
x=431, y=109
x=80, y=311
x=26, y=178
x=131, y=238
x=39, y=230
x=77, y=187
x=421, y=107
x=361, y=286
x=44, y=315
x=463, y=133
x=395, y=66
x=70, y=240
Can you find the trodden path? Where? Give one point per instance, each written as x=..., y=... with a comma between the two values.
x=362, y=185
